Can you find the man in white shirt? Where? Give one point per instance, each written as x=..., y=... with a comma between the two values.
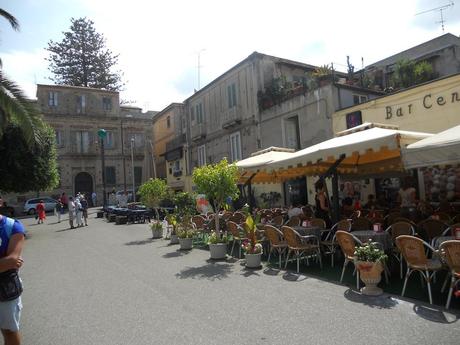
x=71, y=212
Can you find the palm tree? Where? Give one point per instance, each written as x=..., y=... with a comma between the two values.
x=15, y=107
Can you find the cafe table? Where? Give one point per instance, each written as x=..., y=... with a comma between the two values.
x=381, y=237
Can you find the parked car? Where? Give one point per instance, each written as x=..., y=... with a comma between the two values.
x=31, y=205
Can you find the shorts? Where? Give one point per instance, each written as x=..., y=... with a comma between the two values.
x=10, y=314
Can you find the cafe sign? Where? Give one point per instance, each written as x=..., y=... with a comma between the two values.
x=428, y=102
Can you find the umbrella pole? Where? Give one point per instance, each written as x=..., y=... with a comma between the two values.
x=335, y=197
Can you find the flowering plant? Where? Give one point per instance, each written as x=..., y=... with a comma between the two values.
x=251, y=245
x=156, y=225
x=370, y=253
x=250, y=249
x=214, y=238
x=185, y=229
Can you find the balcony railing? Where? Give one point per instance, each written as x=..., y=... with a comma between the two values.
x=198, y=131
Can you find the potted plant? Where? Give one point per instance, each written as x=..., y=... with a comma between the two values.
x=218, y=245
x=157, y=229
x=185, y=232
x=370, y=263
x=151, y=193
x=217, y=182
x=172, y=222
x=252, y=248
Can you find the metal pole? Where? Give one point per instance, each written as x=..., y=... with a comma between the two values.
x=103, y=173
x=132, y=164
x=123, y=156
x=335, y=196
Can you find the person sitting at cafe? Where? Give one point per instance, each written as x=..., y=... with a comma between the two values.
x=294, y=210
x=347, y=206
x=371, y=203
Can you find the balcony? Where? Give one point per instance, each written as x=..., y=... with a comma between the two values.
x=175, y=143
x=231, y=117
x=198, y=131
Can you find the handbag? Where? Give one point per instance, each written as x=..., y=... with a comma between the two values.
x=10, y=283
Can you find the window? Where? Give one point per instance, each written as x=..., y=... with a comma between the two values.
x=201, y=155
x=106, y=103
x=81, y=104
x=176, y=165
x=354, y=119
x=109, y=142
x=235, y=146
x=357, y=99
x=291, y=133
x=199, y=113
x=192, y=115
x=138, y=140
x=137, y=176
x=231, y=94
x=82, y=141
x=110, y=177
x=168, y=122
x=52, y=99
x=59, y=138
x=183, y=124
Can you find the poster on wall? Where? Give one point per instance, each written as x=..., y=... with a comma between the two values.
x=442, y=183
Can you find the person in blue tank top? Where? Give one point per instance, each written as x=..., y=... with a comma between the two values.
x=11, y=242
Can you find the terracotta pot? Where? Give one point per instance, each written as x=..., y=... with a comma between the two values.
x=185, y=243
x=218, y=251
x=371, y=274
x=253, y=260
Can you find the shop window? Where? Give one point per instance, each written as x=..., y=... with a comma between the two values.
x=110, y=177
x=354, y=119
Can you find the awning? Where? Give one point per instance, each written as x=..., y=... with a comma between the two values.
x=440, y=149
x=368, y=150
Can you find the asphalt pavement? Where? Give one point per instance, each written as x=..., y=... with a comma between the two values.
x=112, y=284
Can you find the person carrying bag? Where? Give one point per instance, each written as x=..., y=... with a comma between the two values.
x=11, y=243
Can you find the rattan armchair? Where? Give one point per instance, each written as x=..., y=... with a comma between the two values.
x=293, y=221
x=328, y=241
x=278, y=220
x=413, y=250
x=318, y=222
x=395, y=230
x=361, y=223
x=199, y=223
x=237, y=235
x=302, y=247
x=451, y=253
x=277, y=242
x=347, y=242
x=429, y=229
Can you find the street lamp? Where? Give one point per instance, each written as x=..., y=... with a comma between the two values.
x=132, y=164
x=102, y=134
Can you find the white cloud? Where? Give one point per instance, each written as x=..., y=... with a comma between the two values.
x=158, y=41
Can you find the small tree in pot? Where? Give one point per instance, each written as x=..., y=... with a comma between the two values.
x=217, y=182
x=370, y=262
x=152, y=192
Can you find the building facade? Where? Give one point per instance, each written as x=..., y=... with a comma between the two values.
x=76, y=114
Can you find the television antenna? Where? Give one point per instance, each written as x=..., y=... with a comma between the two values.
x=199, y=67
x=440, y=9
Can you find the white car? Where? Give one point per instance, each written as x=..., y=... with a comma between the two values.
x=30, y=206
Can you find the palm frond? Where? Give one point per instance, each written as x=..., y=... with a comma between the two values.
x=13, y=21
x=15, y=107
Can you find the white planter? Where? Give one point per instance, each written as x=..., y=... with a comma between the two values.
x=174, y=239
x=157, y=233
x=218, y=251
x=185, y=243
x=253, y=260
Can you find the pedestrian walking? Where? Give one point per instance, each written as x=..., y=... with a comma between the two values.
x=64, y=200
x=84, y=208
x=71, y=212
x=41, y=212
x=59, y=210
x=12, y=241
x=78, y=211
x=94, y=199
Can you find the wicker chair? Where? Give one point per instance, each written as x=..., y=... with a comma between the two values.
x=199, y=223
x=278, y=221
x=318, y=222
x=239, y=217
x=301, y=246
x=451, y=252
x=390, y=218
x=450, y=231
x=443, y=217
x=236, y=232
x=347, y=243
x=361, y=224
x=328, y=241
x=395, y=230
x=293, y=221
x=429, y=229
x=413, y=250
x=277, y=242
x=307, y=211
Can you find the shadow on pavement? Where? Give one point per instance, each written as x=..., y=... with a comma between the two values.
x=434, y=314
x=176, y=254
x=211, y=271
x=66, y=229
x=271, y=271
x=294, y=277
x=139, y=243
x=380, y=302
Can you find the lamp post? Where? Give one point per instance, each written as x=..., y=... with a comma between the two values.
x=132, y=164
x=102, y=134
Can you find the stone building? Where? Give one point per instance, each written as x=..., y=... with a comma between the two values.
x=76, y=114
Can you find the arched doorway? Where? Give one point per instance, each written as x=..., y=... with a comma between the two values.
x=84, y=184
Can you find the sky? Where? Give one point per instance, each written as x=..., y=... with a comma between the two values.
x=159, y=42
